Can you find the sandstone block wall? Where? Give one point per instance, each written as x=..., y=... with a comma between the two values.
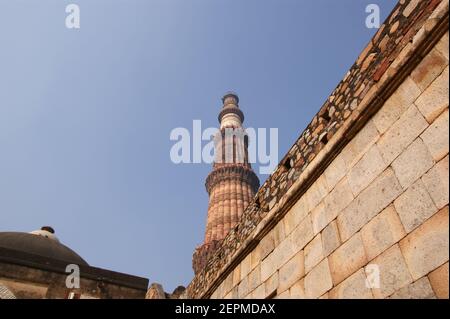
x=383, y=202
x=364, y=190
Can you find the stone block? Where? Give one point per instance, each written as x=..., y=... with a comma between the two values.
x=295, y=215
x=420, y=289
x=259, y=293
x=313, y=253
x=243, y=288
x=436, y=137
x=271, y=284
x=434, y=99
x=302, y=234
x=414, y=206
x=348, y=258
x=396, y=105
x=291, y=272
x=436, y=182
x=412, y=163
x=254, y=278
x=426, y=248
x=330, y=238
x=393, y=272
x=366, y=170
x=266, y=245
x=297, y=291
x=378, y=195
x=442, y=46
x=246, y=265
x=439, y=281
x=354, y=287
x=429, y=69
x=237, y=275
x=337, y=200
x=318, y=281
x=335, y=172
x=359, y=145
x=405, y=130
x=382, y=232
x=316, y=192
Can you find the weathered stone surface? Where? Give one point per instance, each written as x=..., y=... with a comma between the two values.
x=410, y=7
x=420, y=289
x=326, y=211
x=359, y=145
x=297, y=291
x=258, y=293
x=266, y=245
x=313, y=253
x=393, y=272
x=429, y=68
x=243, y=288
x=426, y=248
x=366, y=170
x=271, y=284
x=396, y=105
x=254, y=278
x=302, y=234
x=370, y=202
x=436, y=137
x=236, y=275
x=335, y=171
x=439, y=281
x=412, y=163
x=246, y=266
x=354, y=287
x=381, y=232
x=316, y=192
x=442, y=46
x=155, y=291
x=291, y=272
x=295, y=215
x=318, y=281
x=401, y=134
x=414, y=206
x=337, y=200
x=436, y=182
x=330, y=238
x=434, y=99
x=348, y=258
x=279, y=234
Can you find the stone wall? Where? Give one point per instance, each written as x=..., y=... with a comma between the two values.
x=365, y=187
x=35, y=277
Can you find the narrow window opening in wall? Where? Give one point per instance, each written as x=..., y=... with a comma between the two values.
x=324, y=139
x=287, y=164
x=326, y=117
x=257, y=203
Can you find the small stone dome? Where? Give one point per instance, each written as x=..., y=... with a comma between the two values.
x=43, y=243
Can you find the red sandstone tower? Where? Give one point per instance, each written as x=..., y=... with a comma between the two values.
x=232, y=183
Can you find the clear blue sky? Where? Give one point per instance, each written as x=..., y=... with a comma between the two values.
x=85, y=115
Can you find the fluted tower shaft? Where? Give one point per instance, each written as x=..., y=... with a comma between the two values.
x=231, y=184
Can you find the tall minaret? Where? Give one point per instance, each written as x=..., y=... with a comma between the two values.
x=232, y=183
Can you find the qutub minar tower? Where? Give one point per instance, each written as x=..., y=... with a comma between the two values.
x=232, y=183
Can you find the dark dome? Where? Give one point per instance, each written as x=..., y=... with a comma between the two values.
x=39, y=245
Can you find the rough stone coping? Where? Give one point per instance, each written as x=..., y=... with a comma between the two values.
x=406, y=36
